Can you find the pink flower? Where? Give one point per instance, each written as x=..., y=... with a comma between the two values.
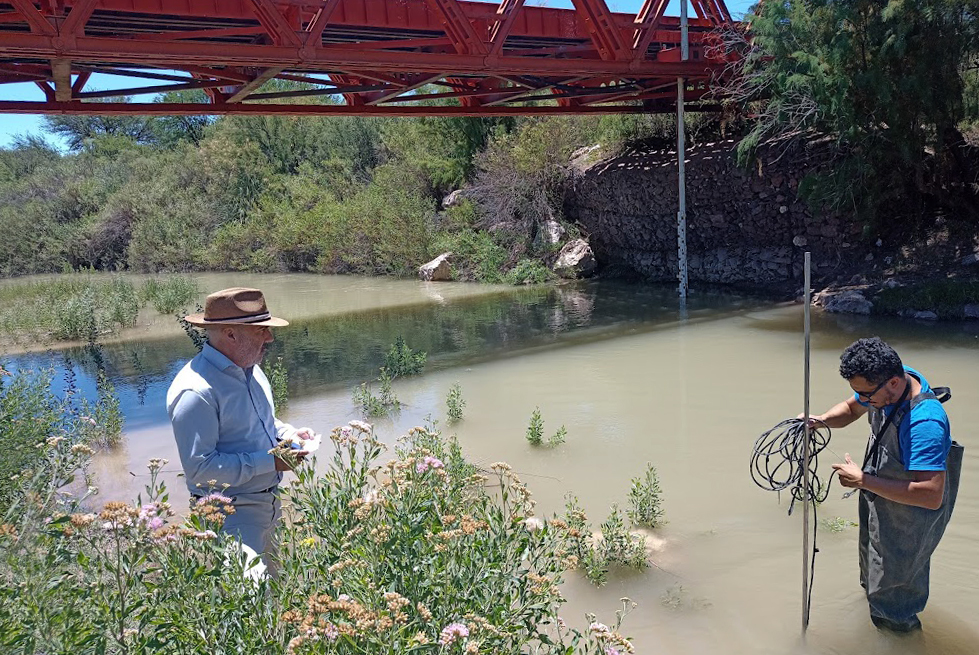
x=155, y=523
x=428, y=462
x=213, y=497
x=452, y=632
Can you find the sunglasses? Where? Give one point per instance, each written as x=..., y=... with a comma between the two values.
x=868, y=395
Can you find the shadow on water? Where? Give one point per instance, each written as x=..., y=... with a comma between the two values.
x=343, y=350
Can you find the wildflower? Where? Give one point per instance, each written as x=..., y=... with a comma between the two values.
x=533, y=524
x=89, y=420
x=424, y=612
x=362, y=426
x=452, y=632
x=80, y=448
x=82, y=520
x=611, y=650
x=54, y=441
x=157, y=463
x=599, y=629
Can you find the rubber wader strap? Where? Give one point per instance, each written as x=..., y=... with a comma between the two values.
x=874, y=446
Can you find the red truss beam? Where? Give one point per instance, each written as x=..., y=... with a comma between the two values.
x=492, y=58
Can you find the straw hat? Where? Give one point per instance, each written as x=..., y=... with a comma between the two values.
x=236, y=306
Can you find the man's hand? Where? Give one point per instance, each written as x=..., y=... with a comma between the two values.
x=282, y=465
x=850, y=474
x=305, y=433
x=814, y=421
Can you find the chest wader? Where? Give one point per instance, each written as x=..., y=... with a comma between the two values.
x=897, y=540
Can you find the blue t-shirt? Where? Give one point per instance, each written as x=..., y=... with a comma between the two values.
x=925, y=434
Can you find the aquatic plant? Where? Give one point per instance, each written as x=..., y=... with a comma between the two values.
x=535, y=431
x=454, y=402
x=646, y=500
x=278, y=376
x=402, y=361
x=371, y=405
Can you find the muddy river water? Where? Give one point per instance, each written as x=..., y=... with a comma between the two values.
x=632, y=383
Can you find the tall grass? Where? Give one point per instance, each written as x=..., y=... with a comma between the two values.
x=84, y=306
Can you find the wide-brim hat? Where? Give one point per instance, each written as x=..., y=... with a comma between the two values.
x=235, y=306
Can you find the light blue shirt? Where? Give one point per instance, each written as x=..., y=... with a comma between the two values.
x=224, y=423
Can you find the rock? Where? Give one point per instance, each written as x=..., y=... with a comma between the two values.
x=845, y=302
x=971, y=311
x=437, y=270
x=800, y=241
x=970, y=260
x=891, y=283
x=454, y=199
x=926, y=316
x=576, y=259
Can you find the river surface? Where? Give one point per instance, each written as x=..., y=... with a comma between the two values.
x=633, y=382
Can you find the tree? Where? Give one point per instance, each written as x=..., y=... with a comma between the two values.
x=79, y=130
x=883, y=79
x=171, y=130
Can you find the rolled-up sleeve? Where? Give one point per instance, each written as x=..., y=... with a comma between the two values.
x=195, y=428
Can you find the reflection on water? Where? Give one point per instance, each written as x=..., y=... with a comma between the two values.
x=343, y=349
x=633, y=384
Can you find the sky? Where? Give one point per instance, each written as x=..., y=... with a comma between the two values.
x=12, y=125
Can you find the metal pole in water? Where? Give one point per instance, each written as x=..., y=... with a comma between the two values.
x=805, y=458
x=681, y=216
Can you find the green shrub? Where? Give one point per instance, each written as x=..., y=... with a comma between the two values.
x=77, y=319
x=529, y=271
x=402, y=361
x=535, y=431
x=392, y=555
x=646, y=500
x=278, y=376
x=619, y=546
x=171, y=293
x=34, y=421
x=454, y=403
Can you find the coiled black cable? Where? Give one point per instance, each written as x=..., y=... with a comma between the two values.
x=777, y=459
x=777, y=463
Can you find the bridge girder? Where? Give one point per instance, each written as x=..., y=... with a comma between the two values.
x=366, y=56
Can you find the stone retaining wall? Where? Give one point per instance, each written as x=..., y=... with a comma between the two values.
x=742, y=227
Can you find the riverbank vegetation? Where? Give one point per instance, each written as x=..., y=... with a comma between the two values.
x=890, y=91
x=86, y=307
x=265, y=194
x=416, y=550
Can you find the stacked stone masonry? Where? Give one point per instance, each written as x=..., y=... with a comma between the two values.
x=743, y=227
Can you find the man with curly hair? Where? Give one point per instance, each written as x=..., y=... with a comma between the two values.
x=908, y=480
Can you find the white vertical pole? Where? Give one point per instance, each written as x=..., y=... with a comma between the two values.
x=681, y=216
x=805, y=459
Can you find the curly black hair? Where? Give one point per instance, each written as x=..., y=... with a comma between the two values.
x=871, y=359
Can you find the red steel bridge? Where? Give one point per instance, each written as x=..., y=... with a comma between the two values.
x=382, y=57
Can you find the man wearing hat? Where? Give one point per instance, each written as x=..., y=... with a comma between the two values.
x=223, y=418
